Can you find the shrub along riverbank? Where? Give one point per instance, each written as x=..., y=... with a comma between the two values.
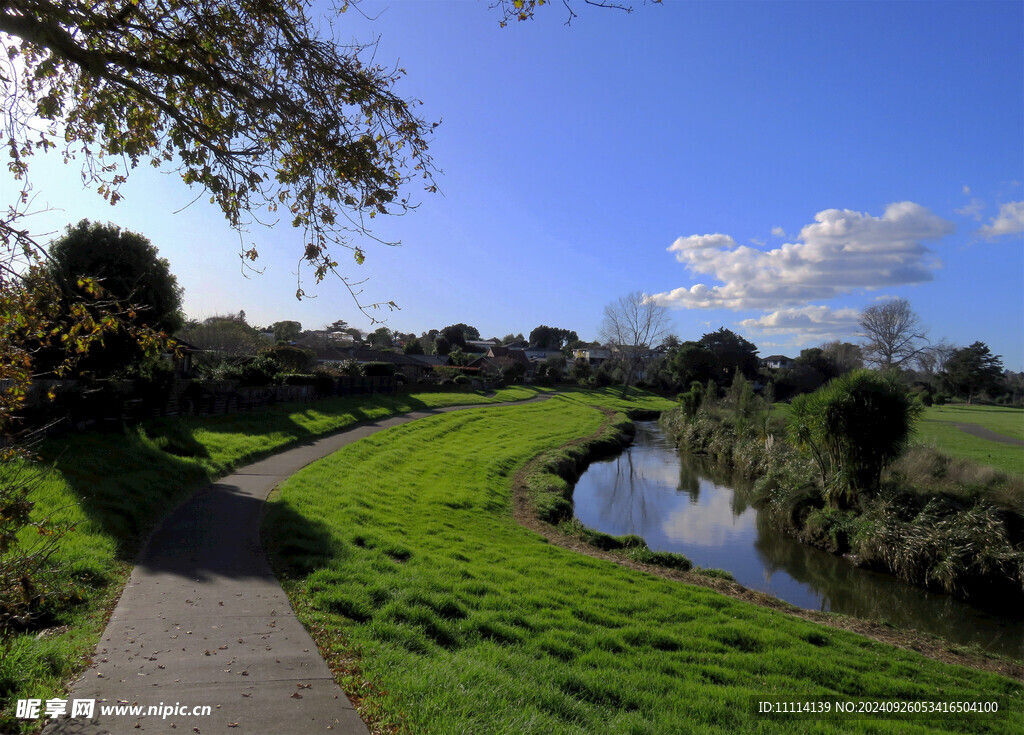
x=441, y=614
x=937, y=522
x=112, y=488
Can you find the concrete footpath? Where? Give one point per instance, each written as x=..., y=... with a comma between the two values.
x=203, y=623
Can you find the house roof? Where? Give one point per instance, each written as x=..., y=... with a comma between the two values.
x=183, y=346
x=429, y=360
x=777, y=358
x=364, y=354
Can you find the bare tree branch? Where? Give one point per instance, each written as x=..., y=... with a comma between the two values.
x=893, y=334
x=632, y=326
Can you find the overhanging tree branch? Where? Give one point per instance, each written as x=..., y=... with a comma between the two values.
x=244, y=99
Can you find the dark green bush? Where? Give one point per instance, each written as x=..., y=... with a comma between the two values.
x=378, y=369
x=292, y=359
x=260, y=370
x=852, y=427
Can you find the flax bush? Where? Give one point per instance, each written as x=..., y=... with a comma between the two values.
x=853, y=427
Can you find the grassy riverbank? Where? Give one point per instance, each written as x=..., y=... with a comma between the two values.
x=937, y=429
x=938, y=522
x=114, y=487
x=443, y=615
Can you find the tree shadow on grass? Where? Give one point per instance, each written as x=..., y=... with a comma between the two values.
x=125, y=482
x=122, y=483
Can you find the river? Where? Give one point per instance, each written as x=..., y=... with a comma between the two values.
x=677, y=502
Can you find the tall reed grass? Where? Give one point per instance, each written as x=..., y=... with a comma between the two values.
x=941, y=523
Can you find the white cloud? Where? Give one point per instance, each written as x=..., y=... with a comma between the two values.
x=778, y=232
x=973, y=209
x=967, y=189
x=1009, y=222
x=759, y=243
x=807, y=323
x=841, y=252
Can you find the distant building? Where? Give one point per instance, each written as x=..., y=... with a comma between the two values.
x=319, y=338
x=537, y=355
x=777, y=362
x=499, y=357
x=594, y=356
x=411, y=366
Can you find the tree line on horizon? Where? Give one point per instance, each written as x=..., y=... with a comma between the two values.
x=130, y=272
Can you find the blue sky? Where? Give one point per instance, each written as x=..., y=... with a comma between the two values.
x=836, y=153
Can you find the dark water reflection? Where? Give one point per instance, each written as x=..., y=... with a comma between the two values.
x=676, y=502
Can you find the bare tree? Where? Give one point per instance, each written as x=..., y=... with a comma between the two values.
x=893, y=333
x=631, y=326
x=932, y=359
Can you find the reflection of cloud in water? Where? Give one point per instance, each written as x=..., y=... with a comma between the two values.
x=672, y=502
x=710, y=522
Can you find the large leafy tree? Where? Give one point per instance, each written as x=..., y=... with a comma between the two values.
x=732, y=353
x=452, y=336
x=467, y=332
x=846, y=356
x=124, y=267
x=223, y=340
x=551, y=338
x=971, y=370
x=692, y=362
x=286, y=331
x=382, y=338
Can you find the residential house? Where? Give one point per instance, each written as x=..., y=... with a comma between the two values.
x=320, y=339
x=593, y=355
x=776, y=362
x=498, y=357
x=412, y=366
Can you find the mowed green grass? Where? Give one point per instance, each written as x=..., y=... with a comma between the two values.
x=1000, y=419
x=114, y=487
x=401, y=550
x=932, y=430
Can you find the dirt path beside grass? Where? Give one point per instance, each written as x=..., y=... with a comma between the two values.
x=203, y=623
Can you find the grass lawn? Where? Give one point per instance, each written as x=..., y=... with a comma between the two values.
x=114, y=487
x=400, y=554
x=1000, y=419
x=1009, y=422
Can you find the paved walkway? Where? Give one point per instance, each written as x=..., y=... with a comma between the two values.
x=203, y=621
x=982, y=433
